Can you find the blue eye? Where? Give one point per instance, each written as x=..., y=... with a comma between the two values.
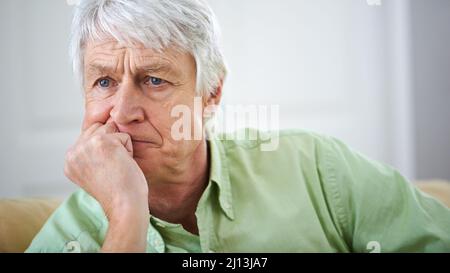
x=104, y=83
x=156, y=81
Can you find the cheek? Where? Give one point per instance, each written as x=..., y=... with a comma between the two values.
x=161, y=117
x=96, y=111
x=163, y=121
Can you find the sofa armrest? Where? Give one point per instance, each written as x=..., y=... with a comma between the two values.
x=21, y=220
x=439, y=189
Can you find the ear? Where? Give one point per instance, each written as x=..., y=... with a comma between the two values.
x=215, y=97
x=211, y=103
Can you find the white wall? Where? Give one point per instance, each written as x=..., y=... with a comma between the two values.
x=431, y=55
x=337, y=67
x=40, y=105
x=328, y=64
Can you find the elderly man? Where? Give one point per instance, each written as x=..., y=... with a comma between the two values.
x=145, y=190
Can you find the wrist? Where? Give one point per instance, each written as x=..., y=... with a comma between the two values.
x=129, y=209
x=127, y=231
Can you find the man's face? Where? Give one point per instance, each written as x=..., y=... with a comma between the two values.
x=137, y=88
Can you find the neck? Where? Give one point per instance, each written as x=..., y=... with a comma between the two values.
x=175, y=200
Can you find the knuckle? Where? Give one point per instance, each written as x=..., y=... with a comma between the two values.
x=100, y=144
x=67, y=170
x=97, y=140
x=69, y=161
x=69, y=157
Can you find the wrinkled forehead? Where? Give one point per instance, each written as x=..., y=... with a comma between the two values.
x=110, y=53
x=114, y=49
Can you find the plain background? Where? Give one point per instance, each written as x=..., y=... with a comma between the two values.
x=375, y=76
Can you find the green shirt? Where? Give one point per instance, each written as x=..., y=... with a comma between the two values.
x=311, y=194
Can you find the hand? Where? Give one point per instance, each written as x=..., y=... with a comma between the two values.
x=101, y=162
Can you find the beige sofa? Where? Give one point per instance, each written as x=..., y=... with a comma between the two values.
x=21, y=219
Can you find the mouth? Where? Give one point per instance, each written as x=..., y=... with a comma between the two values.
x=143, y=137
x=139, y=143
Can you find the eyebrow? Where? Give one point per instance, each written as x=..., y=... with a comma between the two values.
x=158, y=67
x=98, y=69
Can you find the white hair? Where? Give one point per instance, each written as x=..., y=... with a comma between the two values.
x=189, y=25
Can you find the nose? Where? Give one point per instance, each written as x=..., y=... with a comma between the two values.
x=127, y=107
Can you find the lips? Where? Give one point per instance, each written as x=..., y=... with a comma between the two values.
x=140, y=142
x=143, y=135
x=151, y=138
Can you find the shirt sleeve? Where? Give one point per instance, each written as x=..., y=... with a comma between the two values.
x=76, y=226
x=377, y=208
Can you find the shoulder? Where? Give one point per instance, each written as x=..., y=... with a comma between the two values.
x=291, y=156
x=248, y=138
x=78, y=225
x=283, y=143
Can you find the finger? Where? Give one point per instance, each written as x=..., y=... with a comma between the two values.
x=108, y=128
x=85, y=124
x=89, y=121
x=91, y=129
x=125, y=140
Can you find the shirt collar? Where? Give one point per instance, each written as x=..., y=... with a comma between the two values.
x=219, y=174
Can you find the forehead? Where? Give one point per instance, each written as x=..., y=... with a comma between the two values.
x=114, y=47
x=111, y=52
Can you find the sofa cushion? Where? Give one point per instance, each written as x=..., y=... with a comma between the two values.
x=21, y=219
